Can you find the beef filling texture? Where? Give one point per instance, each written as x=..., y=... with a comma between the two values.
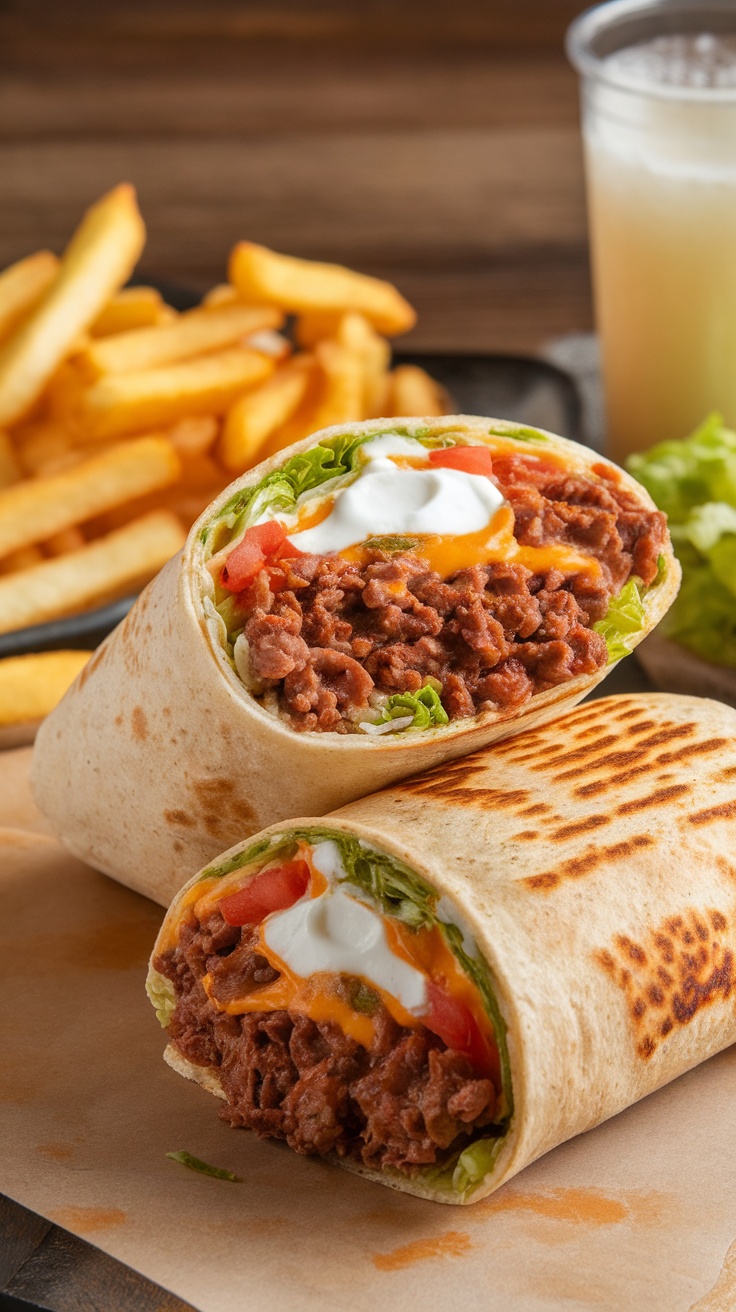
x=406, y=1102
x=326, y=633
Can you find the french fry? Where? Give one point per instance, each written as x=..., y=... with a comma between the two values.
x=10, y=470
x=194, y=435
x=20, y=560
x=108, y=567
x=38, y=445
x=223, y=293
x=99, y=257
x=68, y=539
x=258, y=413
x=413, y=392
x=358, y=335
x=34, y=511
x=261, y=275
x=31, y=686
x=132, y=307
x=126, y=403
x=191, y=334
x=21, y=287
x=199, y=471
x=314, y=326
x=63, y=393
x=342, y=397
x=66, y=460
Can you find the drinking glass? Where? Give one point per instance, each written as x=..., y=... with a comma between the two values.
x=659, y=128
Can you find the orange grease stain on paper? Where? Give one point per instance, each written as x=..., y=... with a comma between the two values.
x=58, y=1152
x=87, y=1220
x=583, y=1206
x=451, y=1244
x=586, y=1206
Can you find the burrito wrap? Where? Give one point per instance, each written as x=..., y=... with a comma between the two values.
x=593, y=863
x=158, y=757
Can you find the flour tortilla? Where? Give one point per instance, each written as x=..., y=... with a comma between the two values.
x=594, y=861
x=158, y=757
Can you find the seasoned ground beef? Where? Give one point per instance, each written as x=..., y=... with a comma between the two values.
x=408, y=1101
x=325, y=633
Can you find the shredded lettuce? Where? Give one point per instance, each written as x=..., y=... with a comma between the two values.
x=204, y=1168
x=425, y=706
x=682, y=475
x=694, y=482
x=279, y=490
x=624, y=617
x=395, y=887
x=399, y=891
x=520, y=433
x=336, y=457
x=475, y=1163
x=161, y=992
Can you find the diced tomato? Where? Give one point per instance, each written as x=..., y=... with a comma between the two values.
x=273, y=890
x=470, y=459
x=456, y=1025
x=244, y=562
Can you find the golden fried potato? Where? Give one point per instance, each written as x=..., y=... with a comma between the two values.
x=112, y=565
x=34, y=510
x=300, y=286
x=149, y=398
x=31, y=686
x=196, y=332
x=21, y=287
x=258, y=413
x=98, y=259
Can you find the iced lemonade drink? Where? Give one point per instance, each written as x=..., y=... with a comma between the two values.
x=659, y=125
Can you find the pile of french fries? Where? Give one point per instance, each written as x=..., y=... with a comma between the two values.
x=121, y=419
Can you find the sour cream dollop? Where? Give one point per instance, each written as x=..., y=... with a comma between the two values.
x=334, y=932
x=386, y=499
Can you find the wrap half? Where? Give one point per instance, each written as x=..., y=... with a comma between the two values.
x=375, y=600
x=435, y=985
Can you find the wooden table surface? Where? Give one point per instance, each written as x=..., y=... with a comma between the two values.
x=432, y=142
x=435, y=142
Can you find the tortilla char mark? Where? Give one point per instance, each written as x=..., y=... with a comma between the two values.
x=587, y=861
x=684, y=965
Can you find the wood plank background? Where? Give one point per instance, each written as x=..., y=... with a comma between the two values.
x=435, y=142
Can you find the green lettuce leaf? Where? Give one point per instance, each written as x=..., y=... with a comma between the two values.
x=424, y=705
x=279, y=490
x=682, y=475
x=392, y=885
x=203, y=1168
x=694, y=481
x=624, y=618
x=703, y=618
x=161, y=992
x=474, y=1164
x=519, y=432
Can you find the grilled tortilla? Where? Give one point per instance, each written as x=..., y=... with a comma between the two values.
x=166, y=750
x=582, y=876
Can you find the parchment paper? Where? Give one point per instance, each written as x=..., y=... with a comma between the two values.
x=638, y=1214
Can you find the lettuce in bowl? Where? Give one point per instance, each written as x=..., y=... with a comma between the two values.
x=694, y=482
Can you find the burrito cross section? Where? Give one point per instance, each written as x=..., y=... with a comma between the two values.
x=436, y=984
x=342, y=1012
x=425, y=576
